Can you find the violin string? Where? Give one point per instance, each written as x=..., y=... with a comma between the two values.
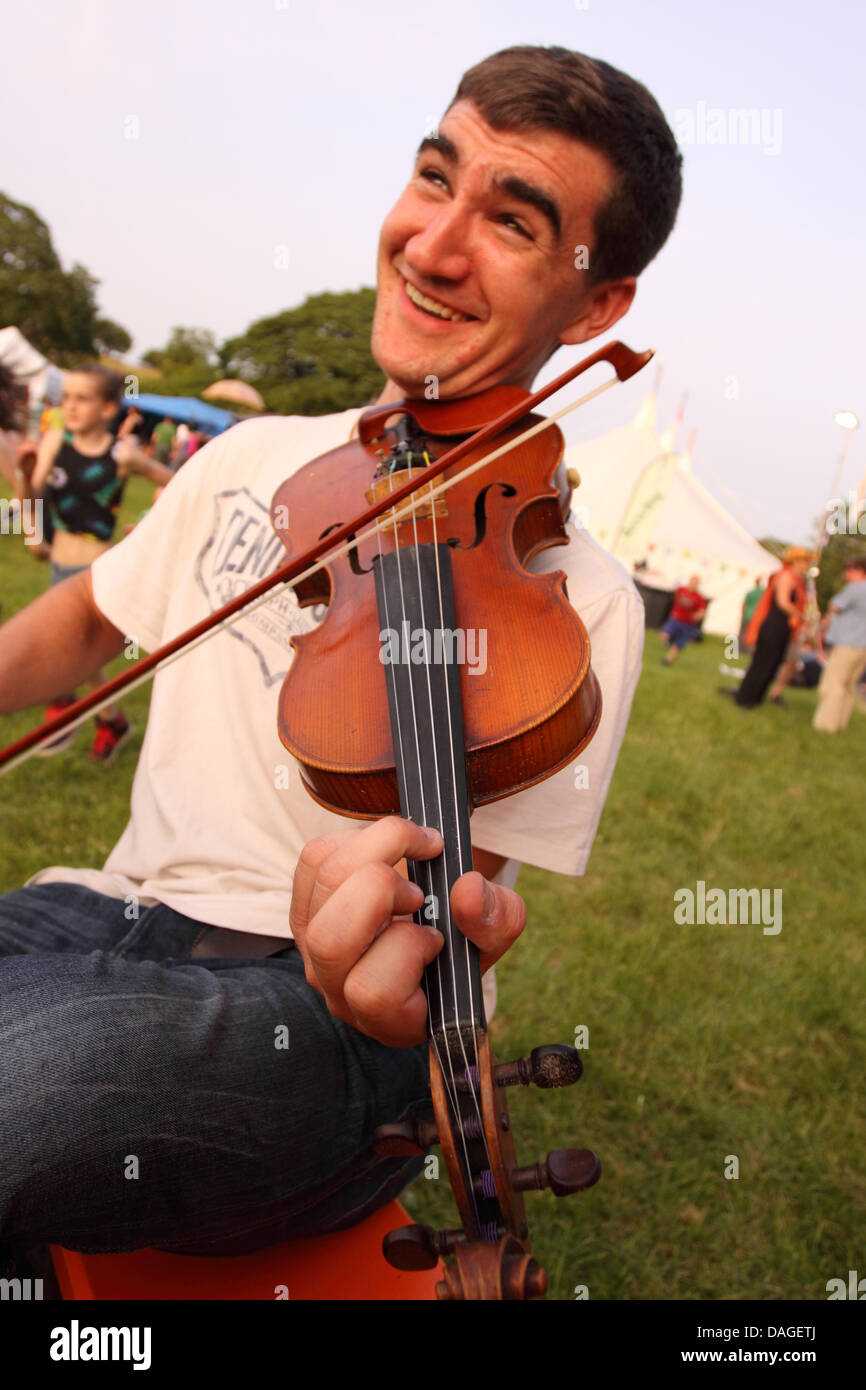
x=460, y=863
x=446, y=1065
x=313, y=569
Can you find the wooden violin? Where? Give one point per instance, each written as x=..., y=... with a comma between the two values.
x=389, y=706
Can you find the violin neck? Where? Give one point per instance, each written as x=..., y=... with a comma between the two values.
x=415, y=596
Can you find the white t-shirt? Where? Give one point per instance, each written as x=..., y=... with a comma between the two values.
x=214, y=832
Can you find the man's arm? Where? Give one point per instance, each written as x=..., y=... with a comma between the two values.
x=54, y=644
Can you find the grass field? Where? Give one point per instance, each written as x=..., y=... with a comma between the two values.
x=705, y=1042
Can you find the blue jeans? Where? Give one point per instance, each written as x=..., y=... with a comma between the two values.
x=145, y=1101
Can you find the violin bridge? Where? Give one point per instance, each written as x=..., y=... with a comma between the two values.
x=420, y=506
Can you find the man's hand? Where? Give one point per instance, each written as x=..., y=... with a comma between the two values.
x=350, y=917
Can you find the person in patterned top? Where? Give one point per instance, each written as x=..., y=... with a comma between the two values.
x=77, y=476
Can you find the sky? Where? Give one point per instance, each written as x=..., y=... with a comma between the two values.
x=215, y=161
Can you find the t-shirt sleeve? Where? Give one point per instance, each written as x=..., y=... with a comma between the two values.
x=134, y=580
x=553, y=824
x=843, y=599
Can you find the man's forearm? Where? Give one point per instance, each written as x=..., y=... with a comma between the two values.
x=54, y=644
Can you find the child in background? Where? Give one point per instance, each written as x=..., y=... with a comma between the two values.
x=78, y=477
x=682, y=626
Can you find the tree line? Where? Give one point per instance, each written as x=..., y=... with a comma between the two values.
x=308, y=360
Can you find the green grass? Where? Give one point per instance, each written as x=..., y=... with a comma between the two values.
x=704, y=1041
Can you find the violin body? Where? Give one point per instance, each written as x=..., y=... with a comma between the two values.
x=529, y=699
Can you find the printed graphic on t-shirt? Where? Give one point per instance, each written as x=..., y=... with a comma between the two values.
x=241, y=549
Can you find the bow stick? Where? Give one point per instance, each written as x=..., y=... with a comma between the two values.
x=337, y=542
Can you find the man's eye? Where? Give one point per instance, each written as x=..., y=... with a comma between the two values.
x=508, y=220
x=433, y=176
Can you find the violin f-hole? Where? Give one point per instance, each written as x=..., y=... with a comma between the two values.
x=354, y=563
x=507, y=490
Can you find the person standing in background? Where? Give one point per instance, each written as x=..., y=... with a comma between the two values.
x=132, y=427
x=750, y=603
x=177, y=455
x=193, y=444
x=847, y=661
x=807, y=633
x=777, y=618
x=163, y=438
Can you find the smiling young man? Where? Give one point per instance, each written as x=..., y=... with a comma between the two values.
x=550, y=184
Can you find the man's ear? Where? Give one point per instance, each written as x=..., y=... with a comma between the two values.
x=606, y=303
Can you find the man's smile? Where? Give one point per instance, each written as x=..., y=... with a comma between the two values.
x=433, y=307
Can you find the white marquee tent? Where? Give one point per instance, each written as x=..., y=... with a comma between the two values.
x=639, y=499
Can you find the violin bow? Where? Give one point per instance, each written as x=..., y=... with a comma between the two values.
x=334, y=542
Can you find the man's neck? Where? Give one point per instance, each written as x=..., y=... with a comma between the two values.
x=390, y=392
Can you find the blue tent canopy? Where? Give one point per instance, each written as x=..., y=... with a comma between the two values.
x=187, y=409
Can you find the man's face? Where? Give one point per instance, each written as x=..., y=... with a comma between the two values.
x=84, y=407
x=486, y=230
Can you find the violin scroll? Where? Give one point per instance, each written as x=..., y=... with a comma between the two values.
x=491, y=1251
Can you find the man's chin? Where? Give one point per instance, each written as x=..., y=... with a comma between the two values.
x=401, y=380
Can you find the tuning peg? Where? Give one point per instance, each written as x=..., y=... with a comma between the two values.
x=556, y=1065
x=564, y=1171
x=419, y=1247
x=405, y=1137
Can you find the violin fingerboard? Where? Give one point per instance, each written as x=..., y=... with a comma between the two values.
x=419, y=652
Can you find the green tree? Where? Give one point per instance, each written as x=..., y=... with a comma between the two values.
x=187, y=347
x=836, y=554
x=774, y=545
x=311, y=360
x=111, y=337
x=56, y=310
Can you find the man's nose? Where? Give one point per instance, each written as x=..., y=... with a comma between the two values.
x=441, y=249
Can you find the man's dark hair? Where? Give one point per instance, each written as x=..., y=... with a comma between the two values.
x=857, y=563
x=528, y=88
x=110, y=384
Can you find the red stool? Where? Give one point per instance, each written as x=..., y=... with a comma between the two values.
x=345, y=1265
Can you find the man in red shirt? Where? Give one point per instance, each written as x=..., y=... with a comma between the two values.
x=689, y=607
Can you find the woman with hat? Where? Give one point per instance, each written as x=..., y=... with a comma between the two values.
x=775, y=621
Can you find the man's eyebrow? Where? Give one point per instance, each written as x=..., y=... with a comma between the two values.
x=528, y=193
x=509, y=183
x=441, y=145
